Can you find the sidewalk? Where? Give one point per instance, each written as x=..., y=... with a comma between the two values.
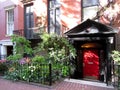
x=73, y=84
x=64, y=85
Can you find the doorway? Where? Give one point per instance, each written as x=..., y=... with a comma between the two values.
x=9, y=50
x=90, y=64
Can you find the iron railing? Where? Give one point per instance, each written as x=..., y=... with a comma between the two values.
x=34, y=33
x=36, y=72
x=19, y=32
x=30, y=33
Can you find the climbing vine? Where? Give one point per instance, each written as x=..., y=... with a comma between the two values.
x=21, y=46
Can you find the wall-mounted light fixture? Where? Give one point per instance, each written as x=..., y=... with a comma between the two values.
x=111, y=39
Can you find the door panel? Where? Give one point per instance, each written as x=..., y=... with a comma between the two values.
x=91, y=64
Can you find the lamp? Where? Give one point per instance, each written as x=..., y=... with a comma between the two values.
x=110, y=40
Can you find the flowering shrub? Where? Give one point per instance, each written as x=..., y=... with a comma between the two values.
x=3, y=67
x=53, y=64
x=2, y=61
x=36, y=72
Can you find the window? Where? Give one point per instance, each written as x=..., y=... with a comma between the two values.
x=90, y=8
x=10, y=21
x=28, y=20
x=55, y=16
x=89, y=3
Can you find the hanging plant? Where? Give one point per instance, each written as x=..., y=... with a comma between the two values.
x=20, y=47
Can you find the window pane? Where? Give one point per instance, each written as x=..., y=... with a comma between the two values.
x=31, y=20
x=55, y=16
x=89, y=12
x=51, y=4
x=29, y=9
x=89, y=2
x=27, y=21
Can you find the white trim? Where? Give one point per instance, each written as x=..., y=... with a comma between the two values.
x=3, y=46
x=3, y=50
x=10, y=7
x=6, y=42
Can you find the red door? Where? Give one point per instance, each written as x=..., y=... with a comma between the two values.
x=91, y=64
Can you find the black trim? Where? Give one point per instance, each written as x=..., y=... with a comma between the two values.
x=91, y=35
x=48, y=15
x=102, y=28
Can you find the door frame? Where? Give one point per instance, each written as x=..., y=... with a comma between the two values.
x=78, y=74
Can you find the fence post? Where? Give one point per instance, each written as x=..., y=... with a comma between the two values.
x=50, y=74
x=69, y=59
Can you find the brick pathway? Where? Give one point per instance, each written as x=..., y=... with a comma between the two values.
x=65, y=85
x=9, y=85
x=82, y=85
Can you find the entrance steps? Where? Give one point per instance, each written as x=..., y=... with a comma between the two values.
x=92, y=83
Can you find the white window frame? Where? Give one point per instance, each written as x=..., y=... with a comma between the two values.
x=9, y=30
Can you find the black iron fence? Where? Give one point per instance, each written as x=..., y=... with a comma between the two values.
x=36, y=72
x=116, y=76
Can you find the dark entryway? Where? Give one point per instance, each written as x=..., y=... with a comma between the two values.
x=9, y=50
x=93, y=42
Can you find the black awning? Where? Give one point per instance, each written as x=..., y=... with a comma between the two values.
x=90, y=28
